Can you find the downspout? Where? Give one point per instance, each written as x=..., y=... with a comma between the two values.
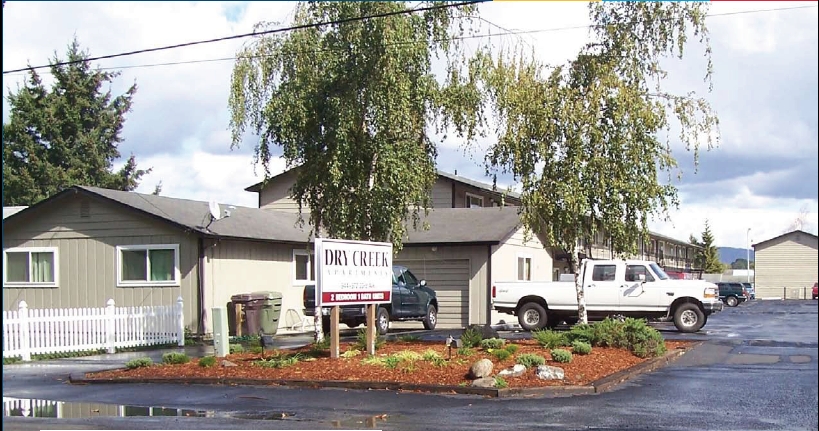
x=201, y=288
x=453, y=194
x=489, y=285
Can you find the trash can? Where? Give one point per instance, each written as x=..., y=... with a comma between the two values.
x=268, y=312
x=260, y=312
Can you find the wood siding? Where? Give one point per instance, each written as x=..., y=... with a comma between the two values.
x=276, y=194
x=417, y=259
x=87, y=256
x=791, y=261
x=441, y=195
x=505, y=264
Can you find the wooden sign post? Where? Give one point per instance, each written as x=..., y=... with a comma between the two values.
x=371, y=328
x=334, y=335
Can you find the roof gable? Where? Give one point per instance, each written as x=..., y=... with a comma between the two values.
x=793, y=232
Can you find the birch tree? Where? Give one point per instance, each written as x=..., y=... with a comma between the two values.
x=583, y=139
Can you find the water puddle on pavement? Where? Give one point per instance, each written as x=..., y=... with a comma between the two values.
x=22, y=407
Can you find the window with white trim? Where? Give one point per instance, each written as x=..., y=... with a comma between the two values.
x=524, y=268
x=304, y=267
x=474, y=201
x=30, y=267
x=148, y=265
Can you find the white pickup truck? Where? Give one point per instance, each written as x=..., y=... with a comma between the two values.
x=630, y=288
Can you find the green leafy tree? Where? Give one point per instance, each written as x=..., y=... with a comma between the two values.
x=583, y=138
x=741, y=263
x=351, y=105
x=707, y=256
x=65, y=135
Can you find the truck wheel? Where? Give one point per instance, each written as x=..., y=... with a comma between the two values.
x=532, y=316
x=688, y=318
x=382, y=321
x=731, y=301
x=432, y=317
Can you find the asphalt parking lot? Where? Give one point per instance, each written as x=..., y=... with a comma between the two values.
x=756, y=370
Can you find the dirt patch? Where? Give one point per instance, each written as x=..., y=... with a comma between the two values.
x=582, y=370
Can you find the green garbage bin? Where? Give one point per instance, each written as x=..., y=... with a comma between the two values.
x=269, y=311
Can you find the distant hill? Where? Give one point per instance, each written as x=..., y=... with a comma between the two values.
x=728, y=255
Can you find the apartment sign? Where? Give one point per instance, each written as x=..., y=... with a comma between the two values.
x=352, y=272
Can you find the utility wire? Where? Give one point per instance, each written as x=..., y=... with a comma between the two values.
x=260, y=33
x=411, y=42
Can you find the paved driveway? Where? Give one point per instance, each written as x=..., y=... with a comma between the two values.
x=756, y=371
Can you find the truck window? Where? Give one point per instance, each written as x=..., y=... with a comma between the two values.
x=603, y=272
x=410, y=279
x=659, y=271
x=632, y=271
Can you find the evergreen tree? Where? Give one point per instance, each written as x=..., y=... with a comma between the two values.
x=707, y=258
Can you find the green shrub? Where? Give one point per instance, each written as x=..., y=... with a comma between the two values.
x=319, y=347
x=391, y=361
x=465, y=351
x=438, y=361
x=257, y=350
x=139, y=363
x=471, y=337
x=493, y=343
x=582, y=332
x=581, y=347
x=512, y=348
x=409, y=338
x=530, y=360
x=361, y=340
x=236, y=348
x=430, y=355
x=207, y=361
x=280, y=360
x=609, y=333
x=408, y=355
x=643, y=340
x=550, y=339
x=351, y=353
x=561, y=355
x=175, y=358
x=501, y=354
x=500, y=382
x=12, y=360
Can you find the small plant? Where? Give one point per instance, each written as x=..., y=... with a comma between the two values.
x=582, y=332
x=409, y=367
x=438, y=362
x=236, y=348
x=609, y=333
x=361, y=340
x=550, y=339
x=207, y=361
x=139, y=363
x=471, y=337
x=430, y=355
x=500, y=354
x=352, y=353
x=465, y=351
x=492, y=343
x=409, y=338
x=408, y=355
x=561, y=355
x=512, y=348
x=280, y=360
x=12, y=360
x=500, y=382
x=175, y=358
x=257, y=350
x=581, y=347
x=391, y=361
x=319, y=347
x=373, y=360
x=531, y=360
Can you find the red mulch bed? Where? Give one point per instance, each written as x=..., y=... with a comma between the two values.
x=583, y=369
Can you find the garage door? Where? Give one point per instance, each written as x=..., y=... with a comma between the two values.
x=450, y=279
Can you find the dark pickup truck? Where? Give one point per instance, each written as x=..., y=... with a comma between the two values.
x=411, y=300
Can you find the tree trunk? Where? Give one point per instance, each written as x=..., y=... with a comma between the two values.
x=582, y=316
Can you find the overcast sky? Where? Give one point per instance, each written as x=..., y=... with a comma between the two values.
x=763, y=176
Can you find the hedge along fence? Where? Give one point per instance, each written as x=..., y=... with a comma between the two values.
x=29, y=332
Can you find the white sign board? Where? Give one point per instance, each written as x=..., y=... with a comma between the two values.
x=352, y=272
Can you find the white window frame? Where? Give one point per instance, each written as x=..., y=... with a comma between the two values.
x=469, y=196
x=517, y=266
x=146, y=247
x=310, y=256
x=17, y=284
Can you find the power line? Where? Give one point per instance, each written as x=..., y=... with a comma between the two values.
x=411, y=42
x=260, y=33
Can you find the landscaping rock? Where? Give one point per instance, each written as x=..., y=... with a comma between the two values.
x=487, y=331
x=481, y=368
x=485, y=382
x=515, y=371
x=226, y=363
x=547, y=372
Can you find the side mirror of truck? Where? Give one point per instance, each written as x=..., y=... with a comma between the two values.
x=641, y=278
x=422, y=283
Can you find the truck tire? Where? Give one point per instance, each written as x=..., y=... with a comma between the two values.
x=431, y=318
x=532, y=316
x=731, y=301
x=382, y=321
x=688, y=318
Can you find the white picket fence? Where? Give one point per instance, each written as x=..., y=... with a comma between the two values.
x=29, y=332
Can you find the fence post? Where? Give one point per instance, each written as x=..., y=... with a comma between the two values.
x=180, y=322
x=110, y=336
x=24, y=331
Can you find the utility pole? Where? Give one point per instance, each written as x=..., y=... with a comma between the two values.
x=748, y=254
